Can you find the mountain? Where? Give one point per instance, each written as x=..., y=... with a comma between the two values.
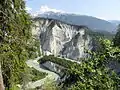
x=116, y=22
x=93, y=23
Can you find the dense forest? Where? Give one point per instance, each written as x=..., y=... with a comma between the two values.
x=17, y=46
x=15, y=43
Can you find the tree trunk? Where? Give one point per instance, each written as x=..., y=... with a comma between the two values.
x=1, y=80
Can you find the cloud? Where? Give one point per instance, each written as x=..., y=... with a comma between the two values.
x=28, y=9
x=45, y=8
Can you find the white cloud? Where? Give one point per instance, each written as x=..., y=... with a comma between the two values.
x=45, y=8
x=28, y=9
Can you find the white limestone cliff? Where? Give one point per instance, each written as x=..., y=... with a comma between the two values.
x=61, y=39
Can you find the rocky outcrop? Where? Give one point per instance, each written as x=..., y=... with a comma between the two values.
x=62, y=39
x=54, y=67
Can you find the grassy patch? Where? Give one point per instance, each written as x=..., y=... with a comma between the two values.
x=37, y=75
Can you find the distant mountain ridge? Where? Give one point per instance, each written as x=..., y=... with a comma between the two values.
x=93, y=23
x=116, y=22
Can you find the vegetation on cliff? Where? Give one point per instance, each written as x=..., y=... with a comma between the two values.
x=59, y=61
x=93, y=74
x=17, y=46
x=15, y=42
x=37, y=75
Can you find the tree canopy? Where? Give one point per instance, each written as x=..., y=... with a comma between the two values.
x=15, y=37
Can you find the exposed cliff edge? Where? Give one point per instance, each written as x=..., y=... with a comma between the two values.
x=62, y=39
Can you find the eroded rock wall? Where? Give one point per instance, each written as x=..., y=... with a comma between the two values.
x=61, y=39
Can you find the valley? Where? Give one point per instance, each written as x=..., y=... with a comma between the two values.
x=59, y=48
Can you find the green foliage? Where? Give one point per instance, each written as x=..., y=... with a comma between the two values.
x=15, y=45
x=50, y=85
x=33, y=48
x=89, y=76
x=94, y=34
x=100, y=34
x=13, y=88
x=62, y=62
x=92, y=73
x=37, y=75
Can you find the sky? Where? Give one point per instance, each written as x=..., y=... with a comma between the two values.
x=103, y=9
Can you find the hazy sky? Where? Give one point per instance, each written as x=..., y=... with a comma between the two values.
x=104, y=9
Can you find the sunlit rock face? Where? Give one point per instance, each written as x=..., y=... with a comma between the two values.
x=61, y=39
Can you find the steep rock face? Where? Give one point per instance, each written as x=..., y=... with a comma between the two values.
x=61, y=39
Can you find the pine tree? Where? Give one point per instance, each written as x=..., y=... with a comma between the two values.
x=15, y=33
